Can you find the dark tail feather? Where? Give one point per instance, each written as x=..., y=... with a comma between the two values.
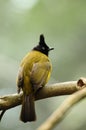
x=28, y=109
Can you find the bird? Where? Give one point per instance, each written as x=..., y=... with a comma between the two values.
x=34, y=72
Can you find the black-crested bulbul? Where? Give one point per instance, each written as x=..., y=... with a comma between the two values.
x=34, y=73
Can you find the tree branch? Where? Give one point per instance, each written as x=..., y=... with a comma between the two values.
x=58, y=89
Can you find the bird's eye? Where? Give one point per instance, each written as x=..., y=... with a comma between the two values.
x=43, y=48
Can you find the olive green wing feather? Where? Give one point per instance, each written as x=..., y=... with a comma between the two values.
x=20, y=80
x=40, y=74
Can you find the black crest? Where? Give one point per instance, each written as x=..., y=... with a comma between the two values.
x=42, y=46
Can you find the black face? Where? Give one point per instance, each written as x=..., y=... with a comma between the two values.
x=42, y=47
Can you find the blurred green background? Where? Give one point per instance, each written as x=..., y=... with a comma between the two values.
x=63, y=22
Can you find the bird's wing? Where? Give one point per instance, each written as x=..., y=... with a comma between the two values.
x=40, y=74
x=20, y=80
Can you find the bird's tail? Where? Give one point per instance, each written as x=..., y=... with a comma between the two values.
x=28, y=109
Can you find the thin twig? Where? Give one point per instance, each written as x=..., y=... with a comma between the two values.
x=2, y=113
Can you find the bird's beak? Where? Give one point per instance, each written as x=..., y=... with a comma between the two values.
x=51, y=49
